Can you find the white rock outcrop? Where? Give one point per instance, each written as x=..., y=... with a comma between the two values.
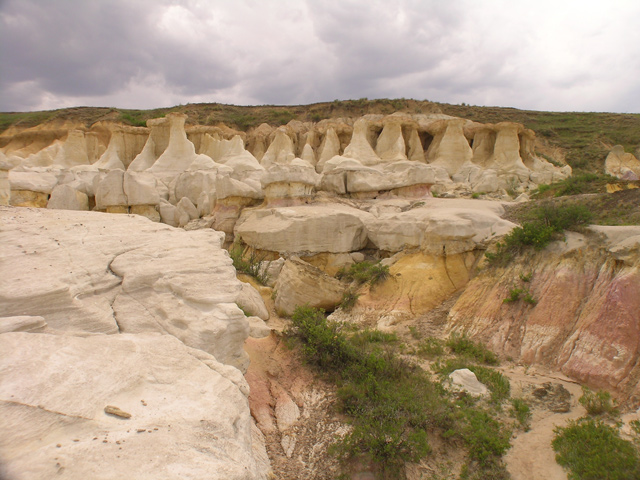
x=315, y=228
x=179, y=413
x=97, y=273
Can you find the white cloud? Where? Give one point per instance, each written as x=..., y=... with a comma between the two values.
x=546, y=55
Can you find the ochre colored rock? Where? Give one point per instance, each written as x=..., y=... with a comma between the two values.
x=300, y=283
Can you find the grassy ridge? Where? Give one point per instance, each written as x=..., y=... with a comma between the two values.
x=585, y=137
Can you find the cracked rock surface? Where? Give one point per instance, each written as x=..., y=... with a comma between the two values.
x=100, y=310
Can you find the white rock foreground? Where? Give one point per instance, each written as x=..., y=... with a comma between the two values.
x=137, y=315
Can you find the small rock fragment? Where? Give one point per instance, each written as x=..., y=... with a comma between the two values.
x=111, y=410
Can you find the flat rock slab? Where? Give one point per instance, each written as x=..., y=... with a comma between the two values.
x=328, y=228
x=189, y=415
x=98, y=273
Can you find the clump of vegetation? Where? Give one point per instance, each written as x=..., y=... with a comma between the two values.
x=598, y=403
x=463, y=345
x=497, y=383
x=430, y=347
x=583, y=182
x=364, y=272
x=545, y=224
x=250, y=264
x=393, y=405
x=521, y=411
x=516, y=294
x=349, y=300
x=593, y=450
x=137, y=118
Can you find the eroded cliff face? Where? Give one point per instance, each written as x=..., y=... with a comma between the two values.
x=176, y=173
x=586, y=317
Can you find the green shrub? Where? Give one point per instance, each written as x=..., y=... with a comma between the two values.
x=528, y=298
x=392, y=404
x=431, y=347
x=561, y=218
x=487, y=438
x=251, y=264
x=597, y=403
x=543, y=188
x=525, y=278
x=514, y=295
x=592, y=450
x=521, y=411
x=364, y=272
x=546, y=222
x=462, y=345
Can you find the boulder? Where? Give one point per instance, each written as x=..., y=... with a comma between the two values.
x=621, y=164
x=300, y=283
x=140, y=188
x=110, y=191
x=251, y=303
x=121, y=406
x=439, y=226
x=467, y=381
x=314, y=229
x=65, y=197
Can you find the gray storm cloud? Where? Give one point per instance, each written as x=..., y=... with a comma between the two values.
x=152, y=53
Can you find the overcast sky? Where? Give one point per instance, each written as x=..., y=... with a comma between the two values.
x=560, y=55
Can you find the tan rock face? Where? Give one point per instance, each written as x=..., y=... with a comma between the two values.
x=300, y=283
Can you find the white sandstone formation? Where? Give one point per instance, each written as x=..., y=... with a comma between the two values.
x=374, y=156
x=179, y=413
x=438, y=226
x=465, y=380
x=65, y=197
x=99, y=273
x=121, y=341
x=314, y=229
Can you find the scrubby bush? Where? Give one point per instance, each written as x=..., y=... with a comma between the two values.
x=597, y=403
x=431, y=347
x=349, y=300
x=463, y=345
x=592, y=450
x=393, y=404
x=364, y=272
x=521, y=411
x=249, y=264
x=544, y=225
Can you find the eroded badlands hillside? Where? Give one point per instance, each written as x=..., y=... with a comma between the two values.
x=86, y=292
